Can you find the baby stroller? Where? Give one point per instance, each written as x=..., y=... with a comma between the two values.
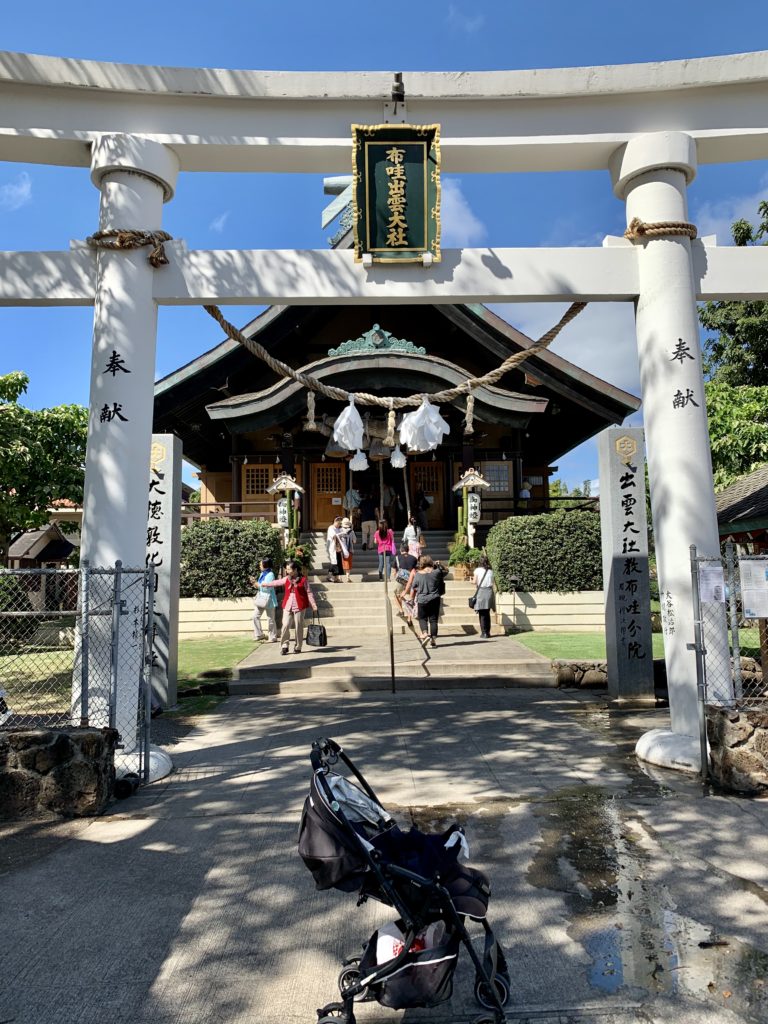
x=349, y=842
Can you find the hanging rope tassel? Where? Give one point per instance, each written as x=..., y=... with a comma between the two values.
x=311, y=425
x=389, y=440
x=469, y=422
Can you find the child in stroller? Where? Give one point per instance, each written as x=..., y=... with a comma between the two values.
x=349, y=842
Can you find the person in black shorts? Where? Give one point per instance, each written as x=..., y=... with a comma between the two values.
x=406, y=563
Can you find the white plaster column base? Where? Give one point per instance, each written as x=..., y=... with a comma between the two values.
x=669, y=749
x=160, y=764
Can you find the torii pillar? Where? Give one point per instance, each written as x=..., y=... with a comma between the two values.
x=651, y=173
x=135, y=177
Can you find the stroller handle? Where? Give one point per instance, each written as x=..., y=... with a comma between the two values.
x=326, y=752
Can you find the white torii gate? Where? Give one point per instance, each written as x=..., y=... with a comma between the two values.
x=649, y=125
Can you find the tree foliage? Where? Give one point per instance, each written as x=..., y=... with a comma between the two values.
x=42, y=458
x=738, y=354
x=738, y=429
x=559, y=489
x=736, y=363
x=218, y=556
x=556, y=552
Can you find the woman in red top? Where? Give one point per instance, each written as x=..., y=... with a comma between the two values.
x=297, y=598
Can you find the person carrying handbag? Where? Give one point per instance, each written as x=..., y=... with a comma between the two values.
x=265, y=602
x=298, y=597
x=482, y=599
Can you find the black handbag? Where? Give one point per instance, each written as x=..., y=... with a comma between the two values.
x=472, y=601
x=317, y=635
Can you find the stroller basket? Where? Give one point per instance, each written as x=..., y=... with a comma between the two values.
x=423, y=978
x=349, y=842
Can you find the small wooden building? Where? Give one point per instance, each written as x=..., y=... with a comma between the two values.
x=242, y=424
x=742, y=511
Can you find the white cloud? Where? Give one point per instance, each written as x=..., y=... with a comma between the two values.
x=217, y=224
x=17, y=193
x=600, y=340
x=460, y=226
x=461, y=22
x=714, y=217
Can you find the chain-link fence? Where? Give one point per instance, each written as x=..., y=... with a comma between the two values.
x=74, y=650
x=730, y=595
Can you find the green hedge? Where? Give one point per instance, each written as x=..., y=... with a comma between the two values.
x=13, y=598
x=557, y=552
x=218, y=556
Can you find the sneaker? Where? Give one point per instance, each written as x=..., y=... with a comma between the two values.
x=432, y=642
x=296, y=650
x=284, y=650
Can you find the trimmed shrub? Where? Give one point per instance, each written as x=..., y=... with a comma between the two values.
x=463, y=555
x=557, y=552
x=218, y=556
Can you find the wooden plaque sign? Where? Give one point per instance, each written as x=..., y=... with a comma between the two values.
x=396, y=192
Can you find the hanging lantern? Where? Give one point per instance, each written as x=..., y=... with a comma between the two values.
x=358, y=463
x=397, y=459
x=335, y=450
x=348, y=429
x=378, y=451
x=423, y=430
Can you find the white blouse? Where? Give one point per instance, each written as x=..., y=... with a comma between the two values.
x=483, y=576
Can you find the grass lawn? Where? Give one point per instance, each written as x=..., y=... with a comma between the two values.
x=576, y=646
x=202, y=661
x=38, y=680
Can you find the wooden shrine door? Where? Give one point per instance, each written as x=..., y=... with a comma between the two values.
x=328, y=486
x=429, y=477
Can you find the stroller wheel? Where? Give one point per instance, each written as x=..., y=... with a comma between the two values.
x=483, y=994
x=331, y=1014
x=349, y=976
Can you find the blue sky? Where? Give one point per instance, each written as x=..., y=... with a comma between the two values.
x=43, y=207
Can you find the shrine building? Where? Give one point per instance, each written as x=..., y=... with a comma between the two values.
x=241, y=424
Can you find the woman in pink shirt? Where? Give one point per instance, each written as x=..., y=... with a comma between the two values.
x=297, y=598
x=385, y=545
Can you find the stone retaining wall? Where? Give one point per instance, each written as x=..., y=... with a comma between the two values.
x=738, y=742
x=45, y=772
x=585, y=674
x=582, y=612
x=200, y=617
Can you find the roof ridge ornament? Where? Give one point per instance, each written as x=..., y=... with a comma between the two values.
x=376, y=340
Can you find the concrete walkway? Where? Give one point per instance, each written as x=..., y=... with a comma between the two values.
x=619, y=896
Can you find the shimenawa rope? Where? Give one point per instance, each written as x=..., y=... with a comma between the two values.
x=639, y=230
x=116, y=239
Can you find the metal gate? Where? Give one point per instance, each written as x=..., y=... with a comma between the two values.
x=730, y=611
x=75, y=650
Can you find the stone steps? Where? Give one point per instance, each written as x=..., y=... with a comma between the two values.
x=318, y=671
x=271, y=684
x=358, y=655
